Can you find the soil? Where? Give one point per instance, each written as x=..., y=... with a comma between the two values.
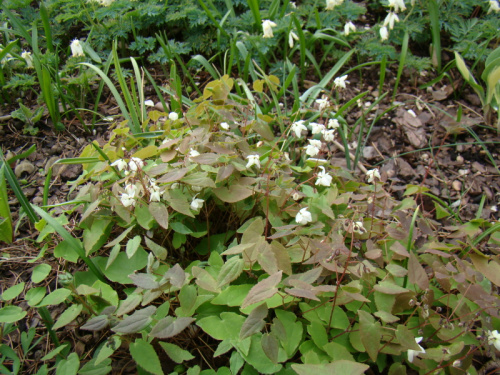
x=418, y=142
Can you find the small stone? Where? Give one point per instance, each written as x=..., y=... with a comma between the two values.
x=456, y=185
x=460, y=159
x=369, y=153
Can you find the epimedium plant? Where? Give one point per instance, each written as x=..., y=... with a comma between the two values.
x=221, y=247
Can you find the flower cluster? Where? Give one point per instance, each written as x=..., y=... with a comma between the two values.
x=267, y=28
x=395, y=6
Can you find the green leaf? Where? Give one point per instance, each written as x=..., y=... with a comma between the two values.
x=145, y=356
x=6, y=223
x=11, y=314
x=40, y=272
x=159, y=251
x=293, y=330
x=337, y=367
x=228, y=326
x=97, y=235
x=270, y=345
x=68, y=366
x=94, y=368
x=34, y=295
x=230, y=271
x=109, y=347
x=68, y=316
x=144, y=216
x=55, y=298
x=389, y=288
x=263, y=290
x=123, y=266
x=160, y=213
x=132, y=246
x=65, y=250
x=318, y=333
x=176, y=354
x=12, y=292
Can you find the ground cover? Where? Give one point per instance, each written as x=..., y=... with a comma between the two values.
x=306, y=212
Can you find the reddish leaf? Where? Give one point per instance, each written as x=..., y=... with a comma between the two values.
x=416, y=273
x=254, y=322
x=263, y=290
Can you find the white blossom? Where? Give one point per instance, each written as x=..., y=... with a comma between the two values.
x=324, y=179
x=173, y=116
x=348, y=27
x=154, y=196
x=293, y=5
x=296, y=196
x=224, y=125
x=415, y=353
x=149, y=103
x=340, y=82
x=323, y=103
x=28, y=59
x=196, y=203
x=358, y=227
x=372, y=174
x=329, y=135
x=128, y=197
x=316, y=128
x=390, y=19
x=120, y=164
x=303, y=216
x=291, y=37
x=333, y=123
x=330, y=4
x=193, y=153
x=267, y=28
x=397, y=5
x=494, y=6
x=253, y=160
x=135, y=164
x=76, y=48
x=494, y=339
x=298, y=127
x=313, y=148
x=384, y=33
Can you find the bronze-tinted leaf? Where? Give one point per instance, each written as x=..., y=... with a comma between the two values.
x=172, y=176
x=254, y=322
x=416, y=273
x=263, y=290
x=135, y=322
x=168, y=327
x=234, y=193
x=160, y=213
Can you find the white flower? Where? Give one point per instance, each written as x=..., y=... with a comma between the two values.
x=291, y=37
x=128, y=198
x=316, y=128
x=324, y=179
x=224, y=125
x=330, y=4
x=135, y=164
x=329, y=135
x=253, y=160
x=267, y=28
x=298, y=127
x=154, y=195
x=340, y=82
x=313, y=148
x=303, y=216
x=348, y=27
x=397, y=5
x=390, y=19
x=149, y=103
x=333, y=123
x=494, y=6
x=372, y=174
x=412, y=113
x=293, y=5
x=196, y=203
x=193, y=153
x=173, y=116
x=120, y=164
x=323, y=103
x=494, y=339
x=28, y=59
x=296, y=196
x=358, y=227
x=105, y=3
x=76, y=48
x=415, y=353
x=384, y=33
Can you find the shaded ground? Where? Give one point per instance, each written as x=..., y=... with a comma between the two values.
x=417, y=142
